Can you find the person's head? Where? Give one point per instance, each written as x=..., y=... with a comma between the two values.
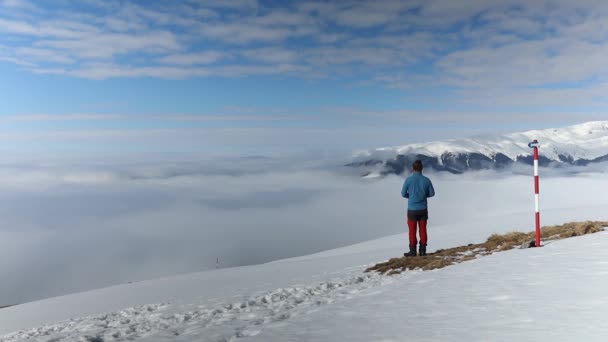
x=417, y=166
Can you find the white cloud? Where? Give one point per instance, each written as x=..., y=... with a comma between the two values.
x=12, y=3
x=590, y=97
x=109, y=45
x=17, y=4
x=206, y=57
x=496, y=48
x=234, y=4
x=62, y=117
x=271, y=55
x=240, y=33
x=101, y=71
x=278, y=115
x=43, y=55
x=18, y=27
x=371, y=14
x=56, y=29
x=16, y=61
x=526, y=63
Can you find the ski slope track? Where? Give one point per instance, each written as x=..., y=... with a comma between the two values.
x=578, y=145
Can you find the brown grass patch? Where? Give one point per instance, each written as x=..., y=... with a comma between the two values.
x=495, y=243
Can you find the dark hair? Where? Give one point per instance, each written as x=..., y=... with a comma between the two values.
x=417, y=166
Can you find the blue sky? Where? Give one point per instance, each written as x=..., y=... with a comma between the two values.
x=266, y=77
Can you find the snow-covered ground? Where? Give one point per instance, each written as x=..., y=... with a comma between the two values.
x=522, y=294
x=557, y=293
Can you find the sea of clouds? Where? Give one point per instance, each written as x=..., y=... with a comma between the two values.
x=72, y=227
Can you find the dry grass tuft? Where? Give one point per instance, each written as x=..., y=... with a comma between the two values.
x=495, y=243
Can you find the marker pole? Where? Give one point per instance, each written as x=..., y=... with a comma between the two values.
x=534, y=145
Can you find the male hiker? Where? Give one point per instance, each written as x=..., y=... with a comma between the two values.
x=417, y=188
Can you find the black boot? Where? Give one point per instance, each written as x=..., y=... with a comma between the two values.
x=422, y=250
x=412, y=251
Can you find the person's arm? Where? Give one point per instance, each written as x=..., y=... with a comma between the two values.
x=404, y=190
x=431, y=189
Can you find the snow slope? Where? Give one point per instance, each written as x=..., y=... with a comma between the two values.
x=577, y=144
x=588, y=140
x=557, y=293
x=295, y=299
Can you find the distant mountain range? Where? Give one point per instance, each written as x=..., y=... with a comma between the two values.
x=577, y=145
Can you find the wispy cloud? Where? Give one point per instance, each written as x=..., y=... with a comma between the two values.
x=206, y=57
x=510, y=44
x=256, y=116
x=57, y=117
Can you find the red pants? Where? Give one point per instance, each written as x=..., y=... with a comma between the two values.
x=412, y=225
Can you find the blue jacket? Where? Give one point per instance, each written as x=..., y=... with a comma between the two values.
x=417, y=188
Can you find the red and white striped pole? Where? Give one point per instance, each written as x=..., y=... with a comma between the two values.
x=534, y=144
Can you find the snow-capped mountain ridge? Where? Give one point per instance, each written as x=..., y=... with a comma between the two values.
x=575, y=145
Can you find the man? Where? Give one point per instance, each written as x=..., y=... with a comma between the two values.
x=417, y=188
